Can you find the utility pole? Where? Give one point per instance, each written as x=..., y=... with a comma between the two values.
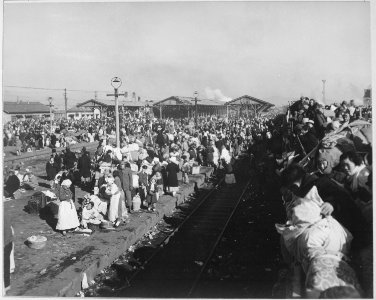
x=323, y=90
x=195, y=100
x=116, y=83
x=160, y=112
x=95, y=95
x=66, y=103
x=50, y=105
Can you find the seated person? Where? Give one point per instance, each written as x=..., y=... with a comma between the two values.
x=336, y=200
x=90, y=215
x=30, y=181
x=357, y=173
x=12, y=184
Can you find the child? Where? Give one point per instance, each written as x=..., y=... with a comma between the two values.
x=156, y=189
x=186, y=169
x=143, y=179
x=90, y=215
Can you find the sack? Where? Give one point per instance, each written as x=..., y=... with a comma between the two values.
x=195, y=170
x=230, y=179
x=135, y=183
x=17, y=195
x=134, y=167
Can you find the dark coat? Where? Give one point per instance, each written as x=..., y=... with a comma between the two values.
x=172, y=174
x=84, y=165
x=12, y=184
x=51, y=171
x=70, y=159
x=126, y=179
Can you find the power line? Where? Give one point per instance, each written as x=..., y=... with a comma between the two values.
x=50, y=89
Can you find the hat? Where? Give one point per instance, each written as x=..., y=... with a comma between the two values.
x=311, y=121
x=66, y=182
x=305, y=120
x=156, y=160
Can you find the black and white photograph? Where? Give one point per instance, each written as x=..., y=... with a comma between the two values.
x=187, y=149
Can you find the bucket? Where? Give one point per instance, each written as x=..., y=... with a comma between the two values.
x=136, y=202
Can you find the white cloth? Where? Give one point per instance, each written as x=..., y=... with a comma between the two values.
x=99, y=205
x=134, y=147
x=226, y=156
x=117, y=153
x=113, y=212
x=359, y=178
x=67, y=216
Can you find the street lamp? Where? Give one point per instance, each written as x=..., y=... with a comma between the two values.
x=196, y=95
x=50, y=105
x=116, y=83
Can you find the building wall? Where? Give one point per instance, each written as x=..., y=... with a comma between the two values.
x=80, y=115
x=6, y=118
x=10, y=117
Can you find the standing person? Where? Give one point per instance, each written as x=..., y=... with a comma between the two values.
x=126, y=182
x=84, y=166
x=8, y=246
x=113, y=213
x=69, y=159
x=51, y=170
x=186, y=169
x=67, y=216
x=123, y=214
x=172, y=170
x=57, y=160
x=143, y=179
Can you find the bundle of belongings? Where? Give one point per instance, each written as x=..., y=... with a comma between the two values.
x=320, y=244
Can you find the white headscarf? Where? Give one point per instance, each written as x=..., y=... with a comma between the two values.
x=66, y=182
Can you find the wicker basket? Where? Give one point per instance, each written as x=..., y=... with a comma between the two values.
x=36, y=241
x=36, y=203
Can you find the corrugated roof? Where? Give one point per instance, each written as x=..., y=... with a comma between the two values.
x=250, y=98
x=112, y=103
x=25, y=107
x=190, y=101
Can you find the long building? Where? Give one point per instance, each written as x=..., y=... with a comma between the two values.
x=24, y=110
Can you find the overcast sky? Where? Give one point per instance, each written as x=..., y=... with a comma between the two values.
x=275, y=51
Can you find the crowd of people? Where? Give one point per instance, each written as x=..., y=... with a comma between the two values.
x=156, y=156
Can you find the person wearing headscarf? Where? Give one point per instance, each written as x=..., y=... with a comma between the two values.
x=67, y=216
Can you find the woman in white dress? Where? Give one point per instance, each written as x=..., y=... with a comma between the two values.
x=67, y=216
x=112, y=189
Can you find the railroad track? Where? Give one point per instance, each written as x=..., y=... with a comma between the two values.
x=174, y=269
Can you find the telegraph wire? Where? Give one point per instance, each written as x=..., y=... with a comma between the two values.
x=50, y=89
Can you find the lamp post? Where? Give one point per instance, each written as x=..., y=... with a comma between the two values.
x=116, y=83
x=50, y=105
x=196, y=95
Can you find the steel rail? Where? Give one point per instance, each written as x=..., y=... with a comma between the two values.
x=197, y=280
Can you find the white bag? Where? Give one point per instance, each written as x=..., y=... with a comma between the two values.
x=135, y=181
x=195, y=170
